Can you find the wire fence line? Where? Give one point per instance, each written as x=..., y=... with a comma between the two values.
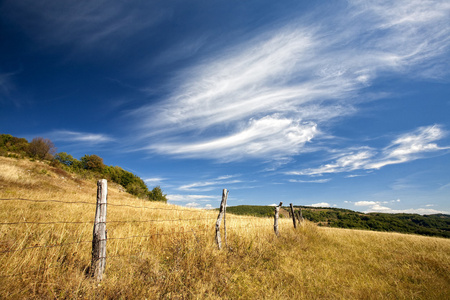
x=109, y=204
x=29, y=272
x=92, y=222
x=44, y=246
x=124, y=238
x=97, y=240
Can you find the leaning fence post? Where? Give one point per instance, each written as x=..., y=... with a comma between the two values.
x=293, y=216
x=219, y=217
x=275, y=224
x=98, y=262
x=300, y=216
x=224, y=219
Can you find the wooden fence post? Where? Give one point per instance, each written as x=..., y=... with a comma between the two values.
x=223, y=204
x=293, y=215
x=300, y=216
x=224, y=218
x=275, y=224
x=98, y=262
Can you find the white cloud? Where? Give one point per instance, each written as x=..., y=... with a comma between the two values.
x=321, y=204
x=376, y=206
x=198, y=205
x=192, y=198
x=407, y=147
x=269, y=135
x=211, y=184
x=83, y=137
x=420, y=211
x=365, y=203
x=310, y=181
x=192, y=204
x=411, y=146
x=269, y=96
x=154, y=180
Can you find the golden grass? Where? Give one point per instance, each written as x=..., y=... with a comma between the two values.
x=155, y=255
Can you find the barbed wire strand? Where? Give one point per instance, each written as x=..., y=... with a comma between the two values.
x=109, y=204
x=110, y=238
x=28, y=272
x=44, y=246
x=92, y=222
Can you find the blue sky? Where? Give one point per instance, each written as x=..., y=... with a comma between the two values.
x=344, y=104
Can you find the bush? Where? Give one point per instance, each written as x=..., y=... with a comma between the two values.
x=157, y=195
x=66, y=159
x=92, y=162
x=9, y=143
x=41, y=148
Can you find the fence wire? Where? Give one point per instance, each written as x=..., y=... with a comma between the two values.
x=158, y=234
x=108, y=204
x=107, y=222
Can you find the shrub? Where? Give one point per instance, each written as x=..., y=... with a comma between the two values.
x=66, y=159
x=41, y=148
x=92, y=162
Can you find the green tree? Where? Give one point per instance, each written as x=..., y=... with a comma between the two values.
x=157, y=195
x=92, y=162
x=66, y=159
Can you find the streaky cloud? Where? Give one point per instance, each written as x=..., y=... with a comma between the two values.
x=269, y=135
x=407, y=147
x=209, y=184
x=81, y=137
x=97, y=24
x=270, y=96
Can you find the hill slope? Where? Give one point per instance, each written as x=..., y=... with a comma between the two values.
x=156, y=250
x=431, y=225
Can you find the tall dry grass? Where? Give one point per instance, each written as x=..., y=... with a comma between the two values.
x=157, y=250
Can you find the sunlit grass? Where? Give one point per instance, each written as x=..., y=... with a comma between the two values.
x=156, y=250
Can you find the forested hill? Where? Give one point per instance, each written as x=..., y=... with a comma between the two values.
x=431, y=225
x=88, y=166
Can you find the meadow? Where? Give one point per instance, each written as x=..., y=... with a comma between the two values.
x=157, y=250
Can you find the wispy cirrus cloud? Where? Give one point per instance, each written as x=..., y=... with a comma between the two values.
x=310, y=181
x=97, y=24
x=154, y=180
x=298, y=78
x=184, y=198
x=80, y=137
x=407, y=147
x=211, y=184
x=266, y=136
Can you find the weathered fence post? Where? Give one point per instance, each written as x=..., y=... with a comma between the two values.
x=98, y=262
x=224, y=219
x=219, y=217
x=275, y=224
x=293, y=215
x=300, y=216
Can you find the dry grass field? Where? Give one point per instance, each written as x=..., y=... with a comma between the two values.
x=156, y=250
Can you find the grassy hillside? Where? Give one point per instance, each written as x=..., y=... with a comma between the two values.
x=431, y=225
x=156, y=250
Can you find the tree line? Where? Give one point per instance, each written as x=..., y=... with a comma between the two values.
x=89, y=165
x=431, y=225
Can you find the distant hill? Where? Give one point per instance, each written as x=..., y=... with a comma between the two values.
x=430, y=225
